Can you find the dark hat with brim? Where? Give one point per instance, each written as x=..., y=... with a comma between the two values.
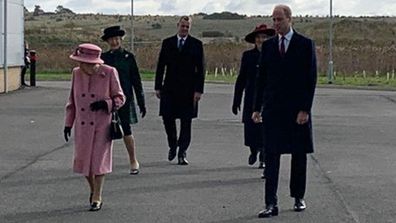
x=112, y=31
x=262, y=28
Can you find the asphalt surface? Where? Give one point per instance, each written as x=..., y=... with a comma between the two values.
x=351, y=176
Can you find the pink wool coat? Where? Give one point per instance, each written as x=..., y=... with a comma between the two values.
x=93, y=145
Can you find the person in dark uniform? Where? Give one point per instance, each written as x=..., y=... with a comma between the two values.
x=285, y=91
x=130, y=80
x=246, y=82
x=179, y=92
x=26, y=60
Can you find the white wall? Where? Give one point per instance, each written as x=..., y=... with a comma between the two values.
x=15, y=32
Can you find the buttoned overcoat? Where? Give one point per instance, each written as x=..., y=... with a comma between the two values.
x=184, y=74
x=92, y=142
x=286, y=86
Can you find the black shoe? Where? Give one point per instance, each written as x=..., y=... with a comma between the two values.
x=182, y=161
x=171, y=154
x=96, y=206
x=261, y=165
x=299, y=205
x=269, y=211
x=252, y=158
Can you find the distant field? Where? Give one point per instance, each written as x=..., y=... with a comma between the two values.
x=360, y=44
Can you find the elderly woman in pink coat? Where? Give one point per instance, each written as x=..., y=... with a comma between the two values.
x=95, y=92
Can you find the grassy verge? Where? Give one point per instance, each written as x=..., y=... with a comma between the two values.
x=379, y=82
x=61, y=76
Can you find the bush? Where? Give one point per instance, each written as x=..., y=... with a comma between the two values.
x=224, y=15
x=156, y=26
x=212, y=34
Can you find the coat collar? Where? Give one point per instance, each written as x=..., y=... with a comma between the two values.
x=294, y=38
x=101, y=71
x=119, y=50
x=186, y=41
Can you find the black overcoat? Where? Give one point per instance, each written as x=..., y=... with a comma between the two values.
x=286, y=85
x=130, y=79
x=184, y=75
x=245, y=86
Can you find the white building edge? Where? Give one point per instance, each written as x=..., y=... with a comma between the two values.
x=10, y=64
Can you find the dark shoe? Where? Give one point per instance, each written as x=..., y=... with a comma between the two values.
x=134, y=171
x=252, y=158
x=171, y=154
x=182, y=161
x=299, y=205
x=96, y=206
x=269, y=211
x=261, y=165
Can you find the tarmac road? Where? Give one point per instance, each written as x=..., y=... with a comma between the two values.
x=351, y=177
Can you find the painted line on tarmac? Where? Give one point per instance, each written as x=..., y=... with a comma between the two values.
x=333, y=187
x=388, y=98
x=36, y=159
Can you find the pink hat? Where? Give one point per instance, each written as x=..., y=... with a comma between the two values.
x=87, y=53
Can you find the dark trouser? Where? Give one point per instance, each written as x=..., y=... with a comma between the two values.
x=255, y=150
x=297, y=178
x=23, y=73
x=185, y=134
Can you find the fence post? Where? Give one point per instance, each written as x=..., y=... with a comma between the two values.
x=33, y=59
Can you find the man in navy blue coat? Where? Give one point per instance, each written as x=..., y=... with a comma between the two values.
x=179, y=84
x=284, y=96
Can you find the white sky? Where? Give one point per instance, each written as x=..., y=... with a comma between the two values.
x=248, y=7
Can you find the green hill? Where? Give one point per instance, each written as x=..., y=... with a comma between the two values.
x=360, y=44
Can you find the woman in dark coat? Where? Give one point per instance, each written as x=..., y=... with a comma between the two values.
x=129, y=75
x=246, y=83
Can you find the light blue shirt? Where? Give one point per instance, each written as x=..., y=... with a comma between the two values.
x=288, y=37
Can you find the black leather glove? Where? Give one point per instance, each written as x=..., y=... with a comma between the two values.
x=143, y=111
x=235, y=109
x=67, y=133
x=98, y=105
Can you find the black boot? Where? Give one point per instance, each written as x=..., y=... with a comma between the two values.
x=253, y=156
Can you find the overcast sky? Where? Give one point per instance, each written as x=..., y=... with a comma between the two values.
x=249, y=7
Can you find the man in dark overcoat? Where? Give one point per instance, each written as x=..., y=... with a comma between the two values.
x=285, y=91
x=246, y=83
x=180, y=90
x=131, y=82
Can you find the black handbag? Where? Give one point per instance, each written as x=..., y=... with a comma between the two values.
x=116, y=131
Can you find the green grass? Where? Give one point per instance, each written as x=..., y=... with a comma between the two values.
x=60, y=76
x=380, y=82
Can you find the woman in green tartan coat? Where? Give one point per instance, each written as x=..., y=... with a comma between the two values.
x=130, y=80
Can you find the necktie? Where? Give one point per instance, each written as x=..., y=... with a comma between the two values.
x=282, y=47
x=180, y=45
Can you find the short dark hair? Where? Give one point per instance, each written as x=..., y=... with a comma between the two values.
x=185, y=18
x=286, y=9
